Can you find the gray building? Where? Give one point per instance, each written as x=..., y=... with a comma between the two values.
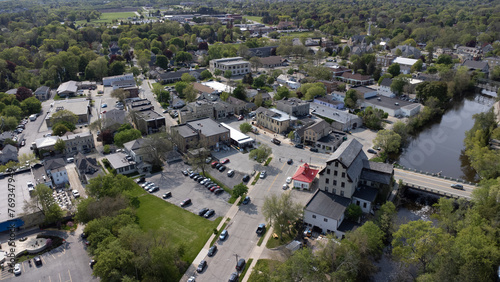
x=342, y=120
x=293, y=106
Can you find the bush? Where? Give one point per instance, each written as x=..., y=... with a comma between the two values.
x=268, y=161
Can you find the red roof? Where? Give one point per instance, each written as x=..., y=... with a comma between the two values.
x=305, y=174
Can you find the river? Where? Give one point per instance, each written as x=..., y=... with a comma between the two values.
x=439, y=147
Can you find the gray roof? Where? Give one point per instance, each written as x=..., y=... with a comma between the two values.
x=85, y=164
x=54, y=163
x=318, y=126
x=363, y=90
x=331, y=138
x=134, y=144
x=351, y=156
x=42, y=90
x=179, y=73
x=366, y=193
x=207, y=126
x=150, y=115
x=76, y=106
x=291, y=101
x=327, y=205
x=375, y=176
x=386, y=82
x=380, y=167
x=123, y=82
x=332, y=113
x=184, y=130
x=118, y=160
x=478, y=65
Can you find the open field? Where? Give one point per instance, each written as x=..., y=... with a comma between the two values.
x=109, y=17
x=253, y=18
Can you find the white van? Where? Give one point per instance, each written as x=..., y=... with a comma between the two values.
x=70, y=160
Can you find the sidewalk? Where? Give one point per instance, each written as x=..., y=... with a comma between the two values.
x=256, y=253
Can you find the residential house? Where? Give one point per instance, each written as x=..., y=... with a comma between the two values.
x=477, y=66
x=316, y=131
x=304, y=177
x=205, y=131
x=174, y=76
x=236, y=65
x=86, y=167
x=222, y=110
x=114, y=49
x=289, y=81
x=121, y=163
x=356, y=39
x=42, y=93
x=8, y=153
x=80, y=107
x=330, y=142
x=329, y=101
x=6, y=135
x=361, y=49
x=40, y=175
x=342, y=120
x=239, y=106
x=273, y=119
x=108, y=81
x=134, y=150
x=384, y=61
x=271, y=62
x=79, y=142
x=149, y=122
x=384, y=88
x=293, y=106
x=67, y=88
x=262, y=51
x=56, y=170
x=356, y=78
x=407, y=51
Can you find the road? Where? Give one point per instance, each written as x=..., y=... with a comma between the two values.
x=35, y=129
x=435, y=183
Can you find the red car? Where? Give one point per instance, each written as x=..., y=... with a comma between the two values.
x=240, y=117
x=215, y=163
x=224, y=161
x=214, y=188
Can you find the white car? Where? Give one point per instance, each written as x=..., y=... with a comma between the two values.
x=31, y=187
x=76, y=194
x=288, y=180
x=17, y=269
x=263, y=174
x=285, y=186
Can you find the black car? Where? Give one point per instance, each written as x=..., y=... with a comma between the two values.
x=209, y=213
x=217, y=166
x=37, y=260
x=185, y=202
x=83, y=235
x=212, y=251
x=203, y=211
x=92, y=263
x=208, y=183
x=300, y=146
x=140, y=180
x=222, y=168
x=314, y=150
x=167, y=195
x=246, y=200
x=218, y=191
x=246, y=178
x=234, y=277
x=200, y=179
x=371, y=151
x=290, y=161
x=201, y=266
x=241, y=264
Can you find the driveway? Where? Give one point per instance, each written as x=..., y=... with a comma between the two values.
x=74, y=180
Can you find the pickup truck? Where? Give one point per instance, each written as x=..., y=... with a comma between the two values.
x=276, y=141
x=261, y=229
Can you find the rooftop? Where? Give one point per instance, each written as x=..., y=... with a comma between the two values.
x=150, y=115
x=366, y=193
x=76, y=106
x=332, y=113
x=221, y=87
x=305, y=174
x=118, y=160
x=404, y=61
x=327, y=205
x=207, y=127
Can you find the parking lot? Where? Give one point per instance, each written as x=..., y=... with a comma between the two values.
x=20, y=189
x=183, y=187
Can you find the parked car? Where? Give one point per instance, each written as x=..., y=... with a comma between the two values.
x=223, y=235
x=234, y=277
x=208, y=160
x=230, y=173
x=191, y=279
x=37, y=260
x=212, y=251
x=246, y=178
x=214, y=163
x=224, y=161
x=92, y=263
x=104, y=105
x=209, y=182
x=17, y=269
x=314, y=150
x=213, y=188
x=145, y=184
x=241, y=264
x=217, y=166
x=288, y=180
x=167, y=195
x=276, y=141
x=240, y=117
x=75, y=193
x=246, y=200
x=185, y=173
x=209, y=213
x=300, y=146
x=222, y=168
x=218, y=191
x=201, y=266
x=154, y=189
x=290, y=161
x=457, y=186
x=261, y=228
x=140, y=180
x=371, y=151
x=185, y=202
x=263, y=174
x=285, y=186
x=203, y=211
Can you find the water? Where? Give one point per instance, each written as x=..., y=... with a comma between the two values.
x=439, y=147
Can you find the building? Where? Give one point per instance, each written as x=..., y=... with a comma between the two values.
x=304, y=177
x=79, y=142
x=80, y=107
x=405, y=64
x=365, y=91
x=42, y=93
x=262, y=51
x=273, y=119
x=316, y=131
x=492, y=62
x=149, y=122
x=196, y=110
x=108, y=81
x=86, y=167
x=384, y=88
x=326, y=211
x=121, y=164
x=293, y=106
x=384, y=61
x=205, y=132
x=407, y=51
x=330, y=85
x=121, y=84
x=331, y=142
x=134, y=150
x=56, y=170
x=236, y=65
x=239, y=106
x=174, y=76
x=342, y=120
x=67, y=88
x=289, y=81
x=477, y=66
x=40, y=175
x=238, y=138
x=114, y=116
x=329, y=101
x=203, y=88
x=356, y=78
x=393, y=106
x=8, y=153
x=271, y=62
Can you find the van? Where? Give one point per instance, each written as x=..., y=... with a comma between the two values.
x=70, y=160
x=33, y=117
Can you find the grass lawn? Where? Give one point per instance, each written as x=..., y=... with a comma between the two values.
x=262, y=268
x=253, y=18
x=185, y=227
x=244, y=272
x=109, y=17
x=306, y=33
x=273, y=243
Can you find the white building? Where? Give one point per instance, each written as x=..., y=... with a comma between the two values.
x=283, y=79
x=405, y=64
x=236, y=65
x=59, y=176
x=393, y=106
x=108, y=81
x=385, y=88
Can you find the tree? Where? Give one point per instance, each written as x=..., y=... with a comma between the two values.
x=444, y=59
x=155, y=148
x=182, y=57
x=179, y=88
x=23, y=93
x=125, y=136
x=206, y=74
x=351, y=99
x=259, y=82
x=255, y=62
x=217, y=72
x=419, y=243
x=388, y=140
x=258, y=100
x=60, y=146
x=186, y=77
x=354, y=212
x=228, y=74
x=384, y=218
x=281, y=212
x=239, y=190
x=260, y=154
x=190, y=93
x=373, y=117
x=162, y=61
x=245, y=127
x=314, y=92
x=12, y=111
x=417, y=66
x=394, y=69
x=121, y=95
x=43, y=201
x=398, y=84
x=59, y=129
x=64, y=115
x=282, y=92
x=31, y=106
x=240, y=92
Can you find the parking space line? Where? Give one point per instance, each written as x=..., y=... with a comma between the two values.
x=50, y=280
x=60, y=279
x=70, y=279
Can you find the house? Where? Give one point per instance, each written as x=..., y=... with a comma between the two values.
x=262, y=51
x=239, y=106
x=203, y=88
x=114, y=116
x=492, y=62
x=356, y=39
x=40, y=175
x=86, y=167
x=6, y=135
x=79, y=142
x=80, y=107
x=121, y=164
x=173, y=76
x=133, y=91
x=67, y=88
x=347, y=178
x=42, y=93
x=273, y=119
x=114, y=49
x=8, y=153
x=236, y=65
x=316, y=131
x=330, y=85
x=149, y=122
x=384, y=88
x=384, y=61
x=342, y=120
x=222, y=110
x=477, y=66
x=271, y=62
x=196, y=110
x=56, y=170
x=329, y=101
x=293, y=106
x=304, y=177
x=361, y=49
x=284, y=79
x=134, y=150
x=405, y=64
x=365, y=91
x=108, y=81
x=393, y=106
x=330, y=142
x=205, y=131
x=121, y=84
x=407, y=51
x=356, y=78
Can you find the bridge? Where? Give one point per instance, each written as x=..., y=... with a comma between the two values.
x=490, y=86
x=435, y=184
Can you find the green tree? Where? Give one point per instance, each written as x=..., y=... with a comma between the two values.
x=121, y=95
x=245, y=127
x=373, y=117
x=281, y=212
x=228, y=74
x=180, y=86
x=60, y=146
x=64, y=115
x=217, y=72
x=384, y=218
x=162, y=61
x=42, y=201
x=394, y=69
x=186, y=77
x=240, y=92
x=444, y=59
x=206, y=74
x=417, y=66
x=255, y=62
x=31, y=106
x=239, y=190
x=182, y=57
x=12, y=111
x=155, y=147
x=260, y=154
x=106, y=149
x=354, y=212
x=398, y=84
x=125, y=136
x=388, y=140
x=282, y=92
x=190, y=93
x=59, y=129
x=351, y=99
